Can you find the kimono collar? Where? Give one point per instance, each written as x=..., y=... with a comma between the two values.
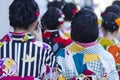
x=22, y=37
x=87, y=44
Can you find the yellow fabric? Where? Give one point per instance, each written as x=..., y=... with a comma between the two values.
x=75, y=48
x=61, y=77
x=67, y=35
x=28, y=59
x=91, y=57
x=105, y=42
x=1, y=44
x=26, y=37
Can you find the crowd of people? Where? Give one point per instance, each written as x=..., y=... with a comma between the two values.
x=65, y=44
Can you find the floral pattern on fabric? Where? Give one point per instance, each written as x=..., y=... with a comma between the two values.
x=8, y=67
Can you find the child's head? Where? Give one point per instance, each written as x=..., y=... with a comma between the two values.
x=84, y=26
x=69, y=10
x=52, y=19
x=110, y=23
x=22, y=13
x=114, y=9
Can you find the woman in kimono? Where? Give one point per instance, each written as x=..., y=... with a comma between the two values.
x=84, y=58
x=20, y=53
x=69, y=10
x=110, y=27
x=52, y=21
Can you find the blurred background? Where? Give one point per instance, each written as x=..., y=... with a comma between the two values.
x=97, y=5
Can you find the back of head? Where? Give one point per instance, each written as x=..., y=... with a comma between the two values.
x=52, y=18
x=114, y=9
x=116, y=3
x=57, y=4
x=69, y=10
x=22, y=13
x=109, y=22
x=84, y=26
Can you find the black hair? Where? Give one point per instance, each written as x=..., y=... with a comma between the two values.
x=108, y=22
x=116, y=3
x=57, y=4
x=69, y=11
x=50, y=19
x=114, y=9
x=84, y=27
x=22, y=13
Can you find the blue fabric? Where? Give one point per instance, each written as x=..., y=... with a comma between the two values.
x=61, y=53
x=78, y=59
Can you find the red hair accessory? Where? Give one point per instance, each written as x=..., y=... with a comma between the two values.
x=117, y=21
x=37, y=13
x=74, y=11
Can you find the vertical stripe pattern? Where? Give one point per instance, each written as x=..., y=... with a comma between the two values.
x=28, y=56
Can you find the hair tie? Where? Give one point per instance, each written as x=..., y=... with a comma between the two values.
x=117, y=21
x=37, y=13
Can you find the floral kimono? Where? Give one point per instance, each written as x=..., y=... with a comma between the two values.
x=93, y=63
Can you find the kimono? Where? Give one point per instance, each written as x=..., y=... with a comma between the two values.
x=92, y=61
x=22, y=55
x=55, y=39
x=112, y=46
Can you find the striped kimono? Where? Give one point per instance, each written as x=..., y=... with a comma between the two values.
x=76, y=60
x=28, y=54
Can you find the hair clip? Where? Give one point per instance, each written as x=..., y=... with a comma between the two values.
x=37, y=13
x=117, y=21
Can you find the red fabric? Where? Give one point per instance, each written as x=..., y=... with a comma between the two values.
x=6, y=38
x=46, y=34
x=63, y=41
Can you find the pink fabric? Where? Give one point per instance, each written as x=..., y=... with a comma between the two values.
x=86, y=44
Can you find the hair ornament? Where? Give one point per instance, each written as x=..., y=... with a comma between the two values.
x=61, y=17
x=117, y=21
x=74, y=11
x=37, y=13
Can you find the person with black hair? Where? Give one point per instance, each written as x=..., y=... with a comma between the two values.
x=57, y=4
x=116, y=2
x=69, y=10
x=113, y=8
x=52, y=21
x=20, y=53
x=84, y=56
x=110, y=27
